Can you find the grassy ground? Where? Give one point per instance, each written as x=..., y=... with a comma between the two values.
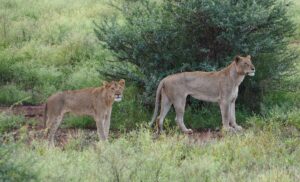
x=268, y=151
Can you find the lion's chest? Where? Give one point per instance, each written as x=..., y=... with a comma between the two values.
x=234, y=93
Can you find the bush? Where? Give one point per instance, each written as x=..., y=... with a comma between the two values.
x=10, y=122
x=12, y=171
x=175, y=36
x=10, y=94
x=84, y=75
x=279, y=115
x=43, y=45
x=78, y=122
x=129, y=113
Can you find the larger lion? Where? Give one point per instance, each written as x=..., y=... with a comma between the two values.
x=220, y=86
x=95, y=102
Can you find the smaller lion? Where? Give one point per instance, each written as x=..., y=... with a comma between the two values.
x=95, y=102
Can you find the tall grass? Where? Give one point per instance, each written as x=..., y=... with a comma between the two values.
x=268, y=150
x=47, y=46
x=262, y=153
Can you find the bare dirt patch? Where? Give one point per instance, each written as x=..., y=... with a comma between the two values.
x=63, y=135
x=34, y=112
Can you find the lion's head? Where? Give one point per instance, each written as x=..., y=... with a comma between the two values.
x=244, y=65
x=116, y=89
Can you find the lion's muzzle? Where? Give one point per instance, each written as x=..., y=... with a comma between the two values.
x=118, y=98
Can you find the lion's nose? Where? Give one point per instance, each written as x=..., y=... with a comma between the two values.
x=252, y=68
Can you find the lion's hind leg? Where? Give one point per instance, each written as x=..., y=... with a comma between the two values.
x=52, y=126
x=179, y=106
x=164, y=109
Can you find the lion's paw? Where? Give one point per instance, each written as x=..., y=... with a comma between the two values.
x=229, y=129
x=238, y=128
x=188, y=131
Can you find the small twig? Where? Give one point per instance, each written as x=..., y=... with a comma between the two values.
x=18, y=103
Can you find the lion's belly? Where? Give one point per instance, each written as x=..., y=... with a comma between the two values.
x=79, y=106
x=206, y=97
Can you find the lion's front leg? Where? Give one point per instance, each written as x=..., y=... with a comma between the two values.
x=100, y=126
x=232, y=118
x=225, y=112
x=107, y=122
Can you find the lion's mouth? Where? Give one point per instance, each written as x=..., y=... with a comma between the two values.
x=118, y=98
x=251, y=73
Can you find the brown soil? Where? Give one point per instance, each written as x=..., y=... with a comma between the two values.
x=35, y=112
x=63, y=135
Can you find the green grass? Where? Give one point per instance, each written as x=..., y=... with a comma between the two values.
x=270, y=153
x=46, y=46
x=267, y=151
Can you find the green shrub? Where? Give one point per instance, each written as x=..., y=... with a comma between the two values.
x=279, y=115
x=10, y=94
x=130, y=112
x=10, y=122
x=46, y=46
x=81, y=141
x=84, y=75
x=12, y=171
x=174, y=36
x=78, y=122
x=209, y=116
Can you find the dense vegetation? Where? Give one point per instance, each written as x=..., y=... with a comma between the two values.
x=48, y=46
x=174, y=36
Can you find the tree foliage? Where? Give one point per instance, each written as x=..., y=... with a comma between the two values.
x=171, y=36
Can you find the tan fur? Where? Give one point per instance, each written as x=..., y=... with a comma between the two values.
x=220, y=86
x=95, y=102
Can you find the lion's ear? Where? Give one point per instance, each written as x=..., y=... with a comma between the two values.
x=104, y=83
x=237, y=59
x=122, y=82
x=249, y=56
x=107, y=85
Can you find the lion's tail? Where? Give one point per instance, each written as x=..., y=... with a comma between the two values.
x=45, y=115
x=157, y=101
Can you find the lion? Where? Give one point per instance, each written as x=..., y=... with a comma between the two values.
x=219, y=86
x=95, y=102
